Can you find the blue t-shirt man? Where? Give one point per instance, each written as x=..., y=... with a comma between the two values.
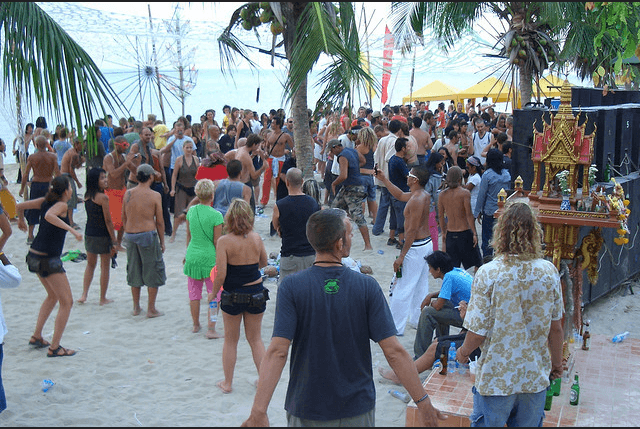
x=456, y=286
x=398, y=173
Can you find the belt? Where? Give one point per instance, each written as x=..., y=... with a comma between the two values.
x=421, y=242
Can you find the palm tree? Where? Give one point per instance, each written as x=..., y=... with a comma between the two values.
x=39, y=57
x=529, y=41
x=308, y=30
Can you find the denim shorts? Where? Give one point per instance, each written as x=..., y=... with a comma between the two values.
x=44, y=265
x=369, y=186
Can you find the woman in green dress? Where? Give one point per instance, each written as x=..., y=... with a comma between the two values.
x=204, y=227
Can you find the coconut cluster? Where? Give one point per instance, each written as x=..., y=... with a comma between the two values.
x=257, y=13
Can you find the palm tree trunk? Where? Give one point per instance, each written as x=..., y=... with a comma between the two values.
x=525, y=84
x=301, y=133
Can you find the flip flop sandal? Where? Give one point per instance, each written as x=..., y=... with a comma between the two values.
x=38, y=343
x=81, y=257
x=55, y=353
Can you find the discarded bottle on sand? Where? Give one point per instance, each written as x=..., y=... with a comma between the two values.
x=47, y=384
x=620, y=337
x=402, y=396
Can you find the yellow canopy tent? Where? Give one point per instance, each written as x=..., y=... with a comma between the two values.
x=491, y=87
x=545, y=82
x=435, y=91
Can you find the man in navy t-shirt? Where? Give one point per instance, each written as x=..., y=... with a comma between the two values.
x=290, y=215
x=328, y=315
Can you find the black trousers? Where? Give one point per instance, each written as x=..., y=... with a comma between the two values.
x=157, y=186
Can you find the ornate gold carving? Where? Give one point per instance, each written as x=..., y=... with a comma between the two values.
x=588, y=251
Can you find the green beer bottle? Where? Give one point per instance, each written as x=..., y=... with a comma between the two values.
x=574, y=397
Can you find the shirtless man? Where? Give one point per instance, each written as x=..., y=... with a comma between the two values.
x=45, y=167
x=413, y=286
x=422, y=139
x=144, y=234
x=412, y=144
x=116, y=166
x=70, y=161
x=249, y=172
x=459, y=237
x=277, y=142
x=452, y=145
x=144, y=152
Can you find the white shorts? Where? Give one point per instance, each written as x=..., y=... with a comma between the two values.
x=316, y=153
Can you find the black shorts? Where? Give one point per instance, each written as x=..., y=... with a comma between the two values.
x=44, y=265
x=97, y=245
x=461, y=249
x=239, y=308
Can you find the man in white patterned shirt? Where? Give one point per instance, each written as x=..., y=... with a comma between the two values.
x=514, y=315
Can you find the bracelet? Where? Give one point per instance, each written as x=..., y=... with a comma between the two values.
x=1, y=253
x=426, y=395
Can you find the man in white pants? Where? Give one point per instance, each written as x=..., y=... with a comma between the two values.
x=413, y=286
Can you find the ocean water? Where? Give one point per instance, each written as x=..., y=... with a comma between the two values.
x=259, y=91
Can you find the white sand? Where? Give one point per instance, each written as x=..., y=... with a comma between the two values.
x=134, y=371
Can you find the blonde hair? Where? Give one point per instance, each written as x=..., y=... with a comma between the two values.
x=204, y=189
x=239, y=218
x=368, y=137
x=517, y=232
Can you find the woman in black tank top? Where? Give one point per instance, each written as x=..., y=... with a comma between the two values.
x=240, y=254
x=44, y=260
x=100, y=238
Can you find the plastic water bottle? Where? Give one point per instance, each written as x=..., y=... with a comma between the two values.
x=404, y=397
x=47, y=384
x=213, y=311
x=451, y=358
x=620, y=337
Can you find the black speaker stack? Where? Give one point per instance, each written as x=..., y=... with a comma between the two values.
x=616, y=115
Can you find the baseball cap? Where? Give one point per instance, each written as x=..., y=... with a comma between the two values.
x=355, y=129
x=333, y=143
x=146, y=169
x=376, y=114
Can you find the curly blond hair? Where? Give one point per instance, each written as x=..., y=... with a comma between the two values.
x=239, y=218
x=368, y=137
x=517, y=232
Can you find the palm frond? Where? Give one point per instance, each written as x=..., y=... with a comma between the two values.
x=229, y=45
x=40, y=58
x=314, y=38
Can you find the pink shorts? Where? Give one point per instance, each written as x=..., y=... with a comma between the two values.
x=195, y=288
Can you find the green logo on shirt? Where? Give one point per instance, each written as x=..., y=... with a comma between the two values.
x=331, y=286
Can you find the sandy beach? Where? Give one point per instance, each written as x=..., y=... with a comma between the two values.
x=135, y=371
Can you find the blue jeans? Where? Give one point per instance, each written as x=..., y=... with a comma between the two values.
x=381, y=216
x=487, y=234
x=521, y=409
x=397, y=208
x=3, y=399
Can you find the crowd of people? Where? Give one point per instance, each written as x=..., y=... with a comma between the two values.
x=437, y=174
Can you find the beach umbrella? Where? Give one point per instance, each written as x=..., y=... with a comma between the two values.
x=434, y=91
